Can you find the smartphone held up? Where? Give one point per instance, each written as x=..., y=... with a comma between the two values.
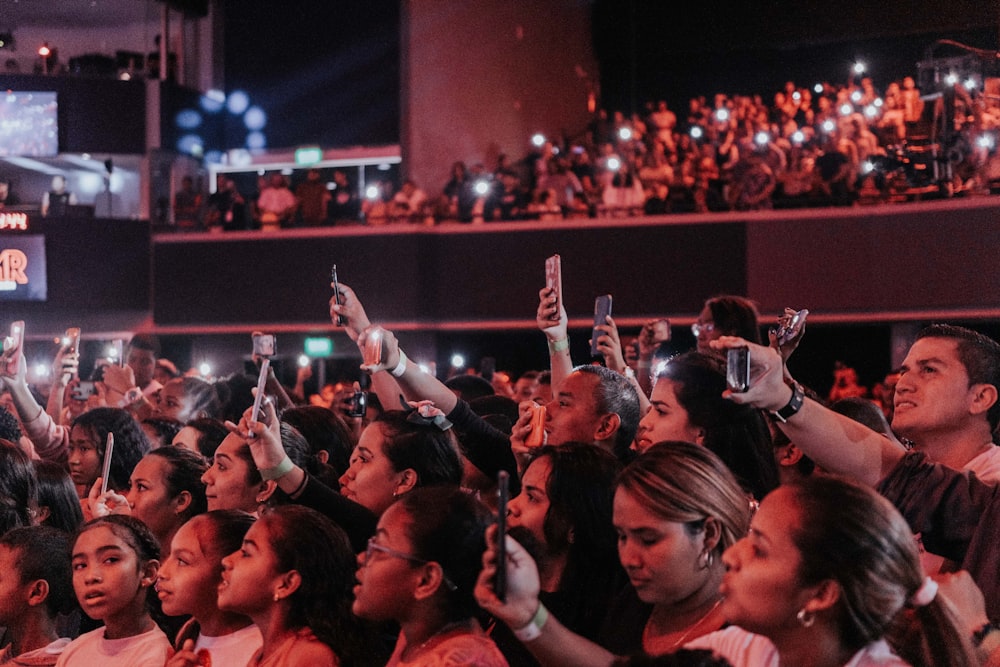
x=602, y=310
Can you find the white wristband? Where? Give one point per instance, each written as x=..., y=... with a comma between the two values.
x=533, y=630
x=401, y=366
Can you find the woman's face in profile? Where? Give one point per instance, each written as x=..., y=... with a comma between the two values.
x=761, y=588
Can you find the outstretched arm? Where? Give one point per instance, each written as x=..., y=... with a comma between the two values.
x=552, y=320
x=837, y=443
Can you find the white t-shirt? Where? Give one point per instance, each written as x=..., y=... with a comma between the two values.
x=236, y=648
x=92, y=650
x=744, y=649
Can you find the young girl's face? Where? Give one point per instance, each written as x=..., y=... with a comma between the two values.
x=109, y=579
x=250, y=576
x=189, y=577
x=83, y=456
x=226, y=482
x=387, y=571
x=172, y=403
x=149, y=496
x=370, y=480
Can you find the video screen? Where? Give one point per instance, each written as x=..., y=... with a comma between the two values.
x=29, y=124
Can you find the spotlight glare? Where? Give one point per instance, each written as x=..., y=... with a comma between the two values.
x=256, y=141
x=818, y=88
x=829, y=125
x=457, y=361
x=859, y=68
x=237, y=102
x=624, y=133
x=798, y=136
x=255, y=118
x=205, y=369
x=762, y=138
x=481, y=188
x=614, y=164
x=951, y=79
x=846, y=109
x=696, y=132
x=538, y=140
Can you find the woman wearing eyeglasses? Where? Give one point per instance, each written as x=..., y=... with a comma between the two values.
x=420, y=570
x=726, y=316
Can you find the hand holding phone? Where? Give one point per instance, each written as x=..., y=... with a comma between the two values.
x=339, y=320
x=791, y=326
x=602, y=310
x=13, y=348
x=503, y=496
x=536, y=436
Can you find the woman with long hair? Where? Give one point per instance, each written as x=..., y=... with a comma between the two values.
x=676, y=509
x=687, y=405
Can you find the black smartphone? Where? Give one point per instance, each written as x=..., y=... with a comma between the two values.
x=487, y=368
x=738, y=369
x=602, y=309
x=341, y=320
x=359, y=404
x=503, y=495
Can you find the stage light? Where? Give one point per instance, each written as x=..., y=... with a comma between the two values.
x=481, y=187
x=457, y=361
x=951, y=79
x=255, y=118
x=212, y=101
x=859, y=68
x=205, y=369
x=846, y=109
x=614, y=164
x=256, y=141
x=722, y=114
x=798, y=136
x=237, y=102
x=538, y=140
x=762, y=138
x=828, y=125
x=187, y=119
x=696, y=132
x=818, y=88
x=624, y=133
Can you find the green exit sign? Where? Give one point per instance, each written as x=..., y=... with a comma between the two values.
x=308, y=155
x=318, y=347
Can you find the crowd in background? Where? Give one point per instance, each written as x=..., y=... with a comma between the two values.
x=830, y=145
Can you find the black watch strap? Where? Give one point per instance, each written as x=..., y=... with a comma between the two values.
x=794, y=404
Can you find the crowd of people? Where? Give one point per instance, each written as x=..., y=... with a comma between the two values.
x=656, y=510
x=803, y=147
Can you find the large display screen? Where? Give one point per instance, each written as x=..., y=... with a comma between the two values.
x=22, y=268
x=29, y=124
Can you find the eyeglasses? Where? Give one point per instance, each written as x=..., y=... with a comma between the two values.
x=374, y=546
x=699, y=328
